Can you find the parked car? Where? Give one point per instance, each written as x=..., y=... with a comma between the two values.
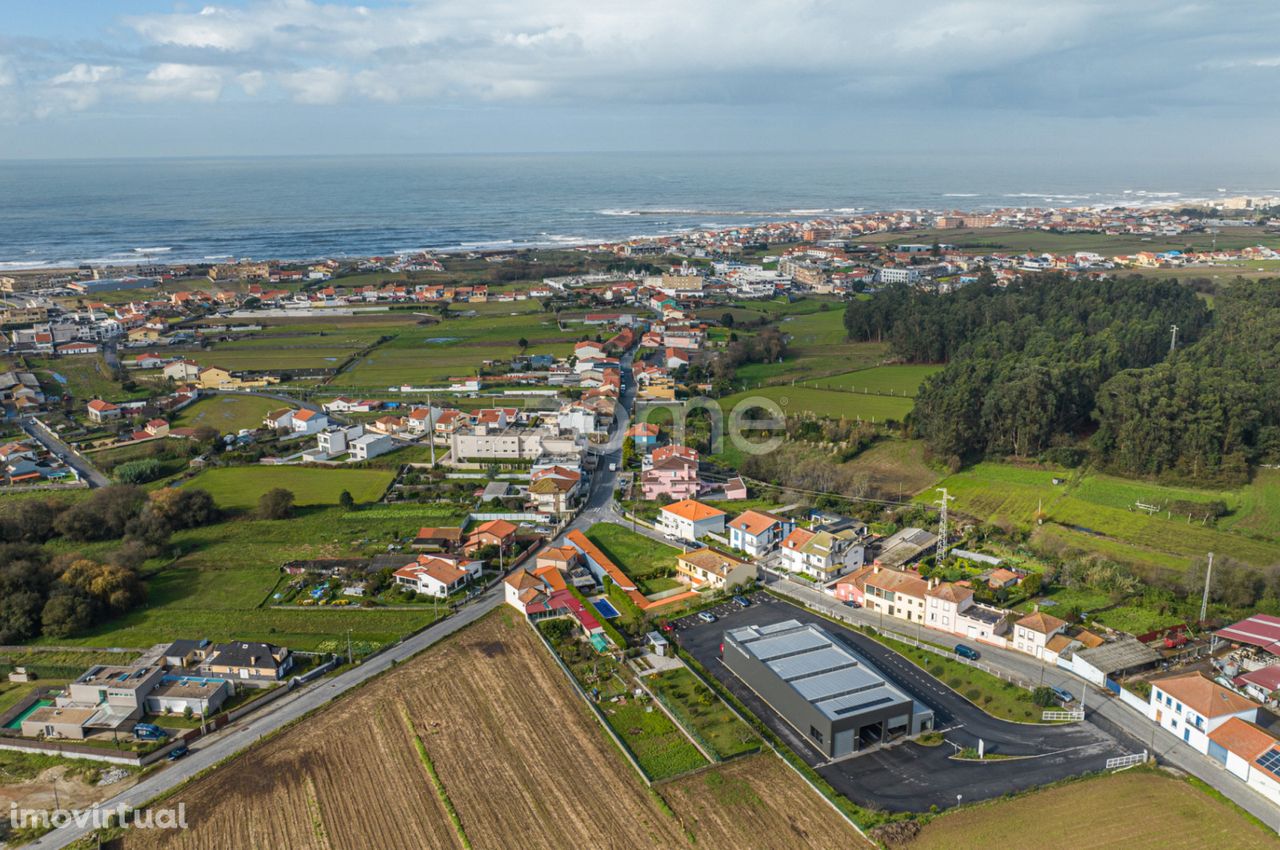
x=667, y=627
x=178, y=752
x=967, y=652
x=743, y=601
x=852, y=603
x=1063, y=694
x=706, y=616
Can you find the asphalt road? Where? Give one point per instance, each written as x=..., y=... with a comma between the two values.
x=1103, y=709
x=208, y=751
x=63, y=452
x=905, y=776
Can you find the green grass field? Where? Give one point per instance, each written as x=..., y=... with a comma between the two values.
x=891, y=380
x=642, y=559
x=227, y=413
x=700, y=710
x=1099, y=512
x=220, y=585
x=817, y=348
x=1137, y=810
x=87, y=376
x=1006, y=239
x=794, y=400
x=456, y=347
x=242, y=486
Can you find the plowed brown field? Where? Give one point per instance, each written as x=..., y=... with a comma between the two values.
x=520, y=756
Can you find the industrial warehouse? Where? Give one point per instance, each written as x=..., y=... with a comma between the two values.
x=829, y=693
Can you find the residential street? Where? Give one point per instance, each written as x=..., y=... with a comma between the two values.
x=63, y=452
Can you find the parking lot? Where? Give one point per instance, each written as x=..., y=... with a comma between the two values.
x=907, y=776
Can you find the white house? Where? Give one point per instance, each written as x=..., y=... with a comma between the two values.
x=437, y=576
x=370, y=446
x=1249, y=752
x=1192, y=706
x=182, y=370
x=822, y=554
x=690, y=519
x=1032, y=632
x=336, y=439
x=758, y=533
x=308, y=422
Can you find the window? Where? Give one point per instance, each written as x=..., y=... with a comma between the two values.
x=815, y=734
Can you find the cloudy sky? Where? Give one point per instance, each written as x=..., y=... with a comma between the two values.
x=1139, y=78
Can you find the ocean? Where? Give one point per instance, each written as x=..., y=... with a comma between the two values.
x=57, y=213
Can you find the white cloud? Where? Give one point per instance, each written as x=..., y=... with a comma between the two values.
x=317, y=85
x=172, y=81
x=1066, y=55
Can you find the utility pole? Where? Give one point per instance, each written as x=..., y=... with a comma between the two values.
x=431, y=430
x=349, y=661
x=1173, y=343
x=1204, y=600
x=942, y=523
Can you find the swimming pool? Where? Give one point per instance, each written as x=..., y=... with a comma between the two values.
x=606, y=609
x=600, y=643
x=16, y=723
x=191, y=680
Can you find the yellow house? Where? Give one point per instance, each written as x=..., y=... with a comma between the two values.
x=217, y=378
x=143, y=334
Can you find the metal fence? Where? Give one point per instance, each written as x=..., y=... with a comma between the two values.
x=1121, y=762
x=1076, y=714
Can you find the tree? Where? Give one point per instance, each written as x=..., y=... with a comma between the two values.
x=522, y=343
x=67, y=613
x=726, y=319
x=346, y=501
x=276, y=503
x=1044, y=696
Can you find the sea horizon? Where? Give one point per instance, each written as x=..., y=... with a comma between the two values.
x=119, y=211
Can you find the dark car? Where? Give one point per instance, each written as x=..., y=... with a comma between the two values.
x=852, y=603
x=178, y=752
x=1063, y=694
x=967, y=652
x=743, y=601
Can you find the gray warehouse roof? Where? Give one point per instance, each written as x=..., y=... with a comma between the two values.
x=832, y=677
x=1124, y=654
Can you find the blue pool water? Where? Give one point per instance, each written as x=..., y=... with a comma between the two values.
x=606, y=609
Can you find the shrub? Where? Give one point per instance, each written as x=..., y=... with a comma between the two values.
x=139, y=471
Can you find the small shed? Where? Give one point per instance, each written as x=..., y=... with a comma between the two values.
x=657, y=643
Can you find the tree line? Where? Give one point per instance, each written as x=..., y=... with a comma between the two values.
x=63, y=594
x=1024, y=363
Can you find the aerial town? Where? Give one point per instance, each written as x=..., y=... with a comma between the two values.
x=669, y=510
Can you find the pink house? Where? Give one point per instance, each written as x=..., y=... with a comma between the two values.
x=671, y=471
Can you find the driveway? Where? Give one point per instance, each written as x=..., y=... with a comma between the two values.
x=906, y=776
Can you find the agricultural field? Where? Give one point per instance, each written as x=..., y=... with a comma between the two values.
x=1136, y=810
x=885, y=380
x=456, y=347
x=227, y=413
x=1037, y=241
x=895, y=468
x=699, y=710
x=222, y=582
x=817, y=348
x=1100, y=512
x=758, y=802
x=84, y=377
x=240, y=487
x=351, y=775
x=831, y=403
x=644, y=560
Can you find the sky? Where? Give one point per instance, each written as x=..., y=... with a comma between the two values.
x=1139, y=79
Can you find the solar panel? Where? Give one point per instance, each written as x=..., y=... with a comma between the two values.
x=1270, y=760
